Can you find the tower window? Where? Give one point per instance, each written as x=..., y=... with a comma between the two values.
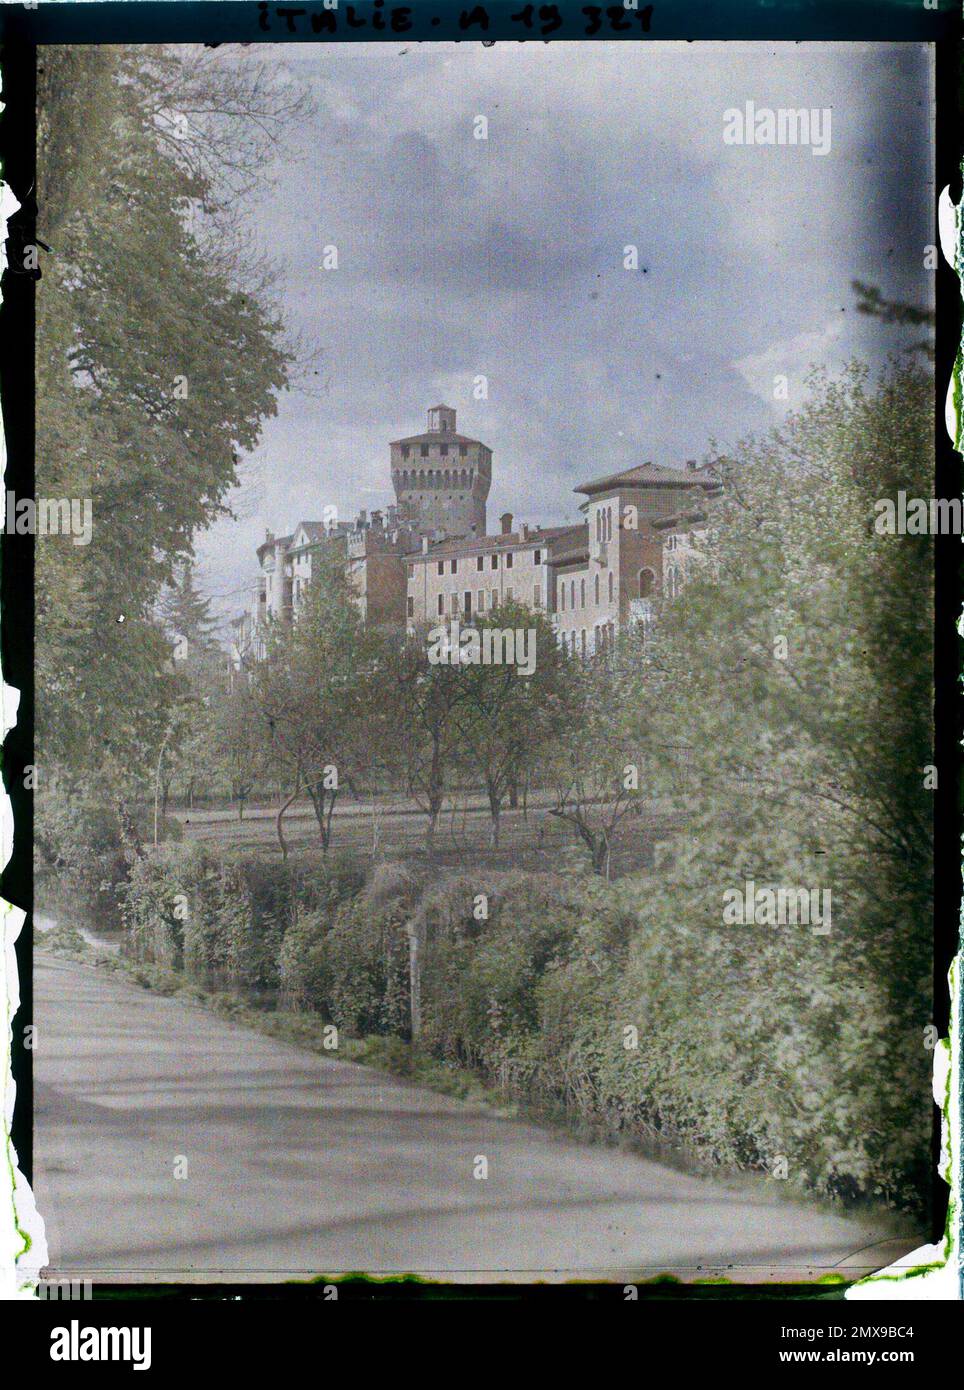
x=405, y=451
x=423, y=450
x=441, y=605
x=463, y=450
x=443, y=450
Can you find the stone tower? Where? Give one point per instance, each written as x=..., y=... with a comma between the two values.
x=442, y=478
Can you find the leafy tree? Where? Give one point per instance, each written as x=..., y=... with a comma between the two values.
x=796, y=670
x=507, y=720
x=423, y=745
x=157, y=363
x=313, y=691
x=596, y=767
x=239, y=742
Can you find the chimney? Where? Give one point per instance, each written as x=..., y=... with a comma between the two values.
x=524, y=530
x=362, y=519
x=505, y=521
x=268, y=536
x=425, y=545
x=691, y=465
x=377, y=520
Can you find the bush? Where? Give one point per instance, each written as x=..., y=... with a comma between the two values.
x=365, y=966
x=748, y=1046
x=304, y=973
x=223, y=920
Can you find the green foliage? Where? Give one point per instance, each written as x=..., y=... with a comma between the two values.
x=88, y=834
x=158, y=358
x=366, y=960
x=303, y=970
x=750, y=1046
x=309, y=701
x=224, y=921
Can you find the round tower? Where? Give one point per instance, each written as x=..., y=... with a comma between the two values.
x=442, y=478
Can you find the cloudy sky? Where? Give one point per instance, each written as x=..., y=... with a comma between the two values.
x=503, y=258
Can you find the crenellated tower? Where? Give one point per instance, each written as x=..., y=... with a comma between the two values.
x=442, y=478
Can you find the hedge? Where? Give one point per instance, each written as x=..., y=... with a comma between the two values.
x=759, y=1049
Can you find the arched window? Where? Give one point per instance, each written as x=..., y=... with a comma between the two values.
x=672, y=581
x=597, y=588
x=582, y=593
x=610, y=586
x=647, y=581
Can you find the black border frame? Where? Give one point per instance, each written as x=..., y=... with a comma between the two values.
x=22, y=31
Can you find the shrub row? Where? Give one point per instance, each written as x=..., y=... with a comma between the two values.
x=759, y=1049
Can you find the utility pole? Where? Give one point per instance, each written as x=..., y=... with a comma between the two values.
x=416, y=935
x=157, y=780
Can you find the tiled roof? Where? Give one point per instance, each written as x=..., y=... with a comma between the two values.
x=319, y=530
x=480, y=545
x=571, y=557
x=270, y=545
x=646, y=475
x=437, y=437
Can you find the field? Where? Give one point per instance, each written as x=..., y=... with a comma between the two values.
x=530, y=837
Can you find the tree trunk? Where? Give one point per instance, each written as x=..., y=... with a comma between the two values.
x=374, y=827
x=278, y=827
x=436, y=794
x=316, y=791
x=601, y=855
x=495, y=811
x=415, y=932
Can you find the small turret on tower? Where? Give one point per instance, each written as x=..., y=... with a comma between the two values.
x=441, y=420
